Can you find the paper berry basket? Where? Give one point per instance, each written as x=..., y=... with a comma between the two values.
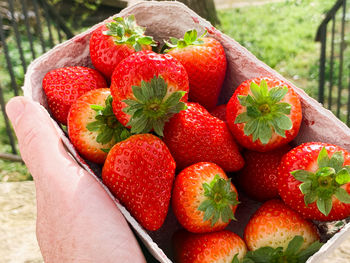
x=165, y=19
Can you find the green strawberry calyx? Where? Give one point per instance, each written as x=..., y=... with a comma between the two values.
x=292, y=254
x=265, y=113
x=126, y=31
x=106, y=125
x=220, y=199
x=190, y=38
x=153, y=106
x=326, y=182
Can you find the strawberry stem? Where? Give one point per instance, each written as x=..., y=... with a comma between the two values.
x=106, y=125
x=153, y=106
x=265, y=114
x=190, y=38
x=126, y=31
x=219, y=200
x=292, y=253
x=326, y=182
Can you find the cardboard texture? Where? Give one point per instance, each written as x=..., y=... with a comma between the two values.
x=165, y=19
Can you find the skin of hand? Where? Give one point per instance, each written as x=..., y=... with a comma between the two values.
x=76, y=219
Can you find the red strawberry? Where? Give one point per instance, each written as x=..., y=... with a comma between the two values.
x=264, y=114
x=276, y=232
x=140, y=171
x=92, y=127
x=193, y=136
x=275, y=224
x=258, y=178
x=205, y=61
x=219, y=112
x=63, y=86
x=314, y=179
x=116, y=40
x=222, y=246
x=204, y=199
x=147, y=89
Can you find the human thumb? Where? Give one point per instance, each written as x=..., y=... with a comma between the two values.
x=38, y=138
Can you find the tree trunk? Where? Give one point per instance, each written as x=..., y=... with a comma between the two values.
x=204, y=8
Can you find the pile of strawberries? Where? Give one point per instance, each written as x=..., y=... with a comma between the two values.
x=151, y=120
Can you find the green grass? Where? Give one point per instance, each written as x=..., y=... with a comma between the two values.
x=10, y=171
x=282, y=35
x=13, y=172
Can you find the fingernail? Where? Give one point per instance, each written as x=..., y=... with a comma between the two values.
x=15, y=108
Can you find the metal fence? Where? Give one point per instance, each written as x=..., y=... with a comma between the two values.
x=334, y=73
x=28, y=28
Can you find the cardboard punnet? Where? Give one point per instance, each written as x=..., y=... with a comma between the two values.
x=165, y=19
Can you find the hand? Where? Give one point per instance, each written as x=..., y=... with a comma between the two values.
x=76, y=220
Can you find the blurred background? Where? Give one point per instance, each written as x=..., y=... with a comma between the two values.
x=307, y=41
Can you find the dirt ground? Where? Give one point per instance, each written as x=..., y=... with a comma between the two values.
x=17, y=223
x=17, y=227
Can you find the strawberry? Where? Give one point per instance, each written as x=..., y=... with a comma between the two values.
x=205, y=61
x=116, y=40
x=219, y=112
x=204, y=199
x=275, y=224
x=276, y=233
x=140, y=172
x=92, y=127
x=147, y=89
x=193, y=136
x=63, y=86
x=217, y=247
x=258, y=178
x=314, y=179
x=264, y=114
